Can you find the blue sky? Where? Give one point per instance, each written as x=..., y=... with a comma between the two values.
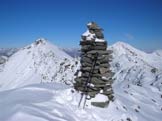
x=137, y=22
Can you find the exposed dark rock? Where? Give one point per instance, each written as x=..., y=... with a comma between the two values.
x=128, y=119
x=100, y=104
x=154, y=70
x=96, y=76
x=136, y=110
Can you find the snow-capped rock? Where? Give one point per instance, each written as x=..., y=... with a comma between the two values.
x=39, y=62
x=89, y=36
x=93, y=33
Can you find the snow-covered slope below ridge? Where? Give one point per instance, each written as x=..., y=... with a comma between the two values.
x=39, y=62
x=134, y=100
x=133, y=66
x=56, y=102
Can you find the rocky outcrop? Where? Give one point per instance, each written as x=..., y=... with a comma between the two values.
x=3, y=59
x=95, y=75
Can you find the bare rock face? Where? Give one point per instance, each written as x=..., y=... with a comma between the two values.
x=3, y=59
x=96, y=76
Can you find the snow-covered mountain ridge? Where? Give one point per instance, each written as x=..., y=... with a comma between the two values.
x=39, y=62
x=137, y=86
x=136, y=67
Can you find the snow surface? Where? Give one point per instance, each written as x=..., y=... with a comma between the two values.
x=99, y=98
x=56, y=102
x=137, y=89
x=89, y=24
x=39, y=62
x=99, y=40
x=89, y=36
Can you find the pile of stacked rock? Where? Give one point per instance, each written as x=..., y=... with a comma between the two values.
x=95, y=75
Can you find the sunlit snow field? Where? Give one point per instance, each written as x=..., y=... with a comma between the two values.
x=36, y=85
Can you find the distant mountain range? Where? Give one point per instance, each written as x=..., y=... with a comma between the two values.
x=7, y=51
x=73, y=52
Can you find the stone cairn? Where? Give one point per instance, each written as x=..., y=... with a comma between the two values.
x=94, y=76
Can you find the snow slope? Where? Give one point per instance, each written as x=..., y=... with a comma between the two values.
x=39, y=62
x=133, y=66
x=56, y=102
x=137, y=91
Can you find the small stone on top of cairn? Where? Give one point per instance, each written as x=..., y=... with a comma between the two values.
x=95, y=70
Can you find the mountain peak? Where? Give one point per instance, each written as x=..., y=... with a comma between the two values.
x=38, y=62
x=40, y=41
x=124, y=48
x=121, y=44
